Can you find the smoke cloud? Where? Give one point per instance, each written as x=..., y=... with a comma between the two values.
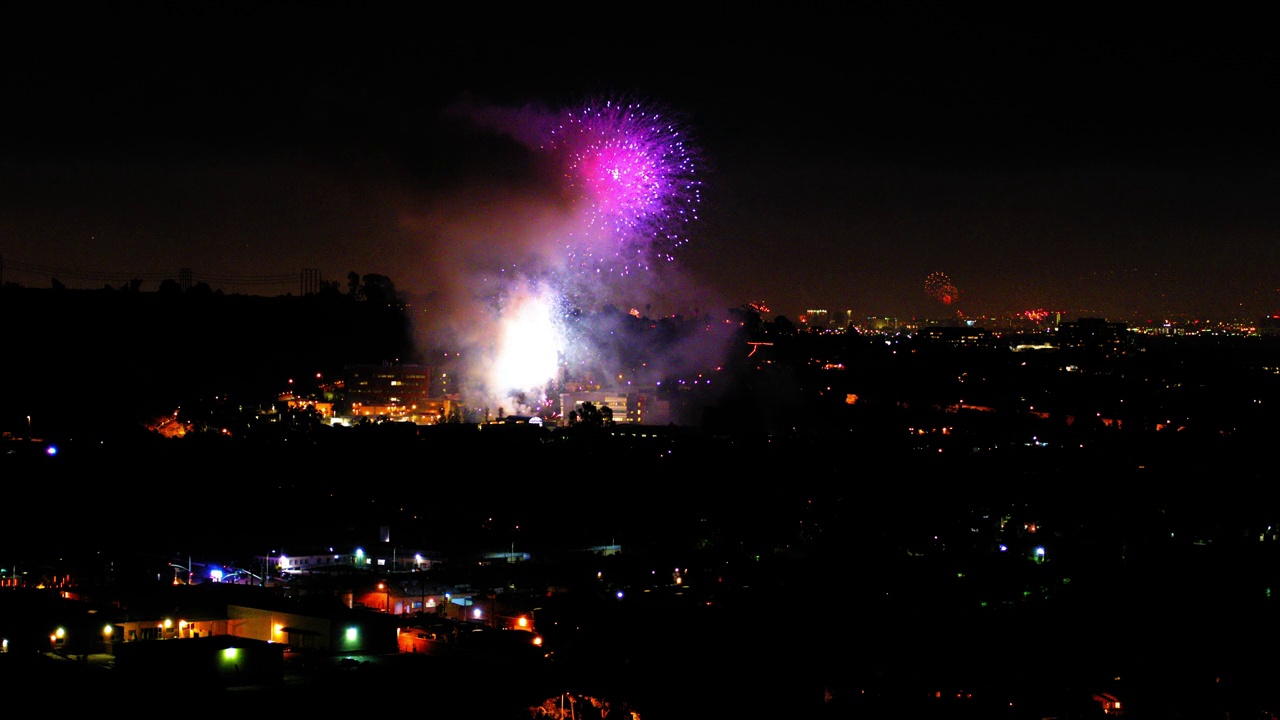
x=507, y=314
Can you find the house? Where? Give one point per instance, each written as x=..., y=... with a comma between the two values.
x=220, y=659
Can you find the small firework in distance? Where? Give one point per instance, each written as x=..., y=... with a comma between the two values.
x=939, y=287
x=632, y=172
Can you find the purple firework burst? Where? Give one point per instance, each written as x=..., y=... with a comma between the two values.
x=632, y=172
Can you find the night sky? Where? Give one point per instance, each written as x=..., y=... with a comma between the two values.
x=1081, y=165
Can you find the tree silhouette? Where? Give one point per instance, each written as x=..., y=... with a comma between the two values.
x=589, y=416
x=379, y=289
x=782, y=326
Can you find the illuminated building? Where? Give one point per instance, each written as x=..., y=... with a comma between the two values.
x=814, y=319
x=879, y=325
x=1093, y=334
x=380, y=555
x=394, y=392
x=631, y=406
x=956, y=335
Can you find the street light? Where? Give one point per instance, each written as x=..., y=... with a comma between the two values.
x=190, y=573
x=269, y=568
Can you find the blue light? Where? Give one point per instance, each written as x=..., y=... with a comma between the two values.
x=51, y=450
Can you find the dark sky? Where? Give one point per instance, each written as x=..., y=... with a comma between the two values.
x=1072, y=164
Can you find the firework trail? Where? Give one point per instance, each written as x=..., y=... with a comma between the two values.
x=633, y=175
x=939, y=287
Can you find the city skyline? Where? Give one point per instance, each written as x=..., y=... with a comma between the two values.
x=1104, y=171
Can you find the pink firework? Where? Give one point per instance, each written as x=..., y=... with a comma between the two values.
x=633, y=174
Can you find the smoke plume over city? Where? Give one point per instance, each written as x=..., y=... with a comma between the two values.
x=563, y=226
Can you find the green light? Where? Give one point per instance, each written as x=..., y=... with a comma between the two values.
x=352, y=634
x=230, y=654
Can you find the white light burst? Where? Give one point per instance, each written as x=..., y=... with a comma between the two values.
x=530, y=343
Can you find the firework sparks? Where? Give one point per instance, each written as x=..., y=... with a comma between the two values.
x=530, y=344
x=939, y=287
x=633, y=174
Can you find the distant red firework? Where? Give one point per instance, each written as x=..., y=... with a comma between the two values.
x=939, y=287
